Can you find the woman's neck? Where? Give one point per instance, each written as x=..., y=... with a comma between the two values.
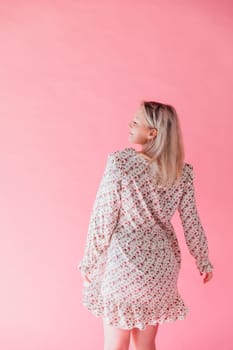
x=144, y=155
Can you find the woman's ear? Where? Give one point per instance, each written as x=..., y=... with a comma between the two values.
x=153, y=132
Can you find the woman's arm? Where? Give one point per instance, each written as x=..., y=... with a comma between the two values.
x=195, y=236
x=104, y=215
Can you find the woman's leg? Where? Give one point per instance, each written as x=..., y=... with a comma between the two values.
x=145, y=339
x=116, y=338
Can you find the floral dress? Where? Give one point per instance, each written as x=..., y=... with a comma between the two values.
x=132, y=256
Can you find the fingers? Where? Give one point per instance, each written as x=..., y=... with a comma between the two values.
x=85, y=283
x=87, y=279
x=208, y=276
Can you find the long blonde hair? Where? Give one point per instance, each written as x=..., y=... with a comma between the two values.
x=166, y=149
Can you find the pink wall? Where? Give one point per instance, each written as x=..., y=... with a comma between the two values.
x=72, y=75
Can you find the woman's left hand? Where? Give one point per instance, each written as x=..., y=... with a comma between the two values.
x=86, y=278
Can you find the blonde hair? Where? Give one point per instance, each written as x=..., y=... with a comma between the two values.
x=166, y=149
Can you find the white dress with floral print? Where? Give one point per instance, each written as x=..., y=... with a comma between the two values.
x=132, y=256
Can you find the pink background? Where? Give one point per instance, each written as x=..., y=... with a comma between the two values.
x=72, y=76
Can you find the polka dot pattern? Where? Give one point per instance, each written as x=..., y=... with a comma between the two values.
x=132, y=255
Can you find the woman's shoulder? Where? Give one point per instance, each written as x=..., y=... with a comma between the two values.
x=188, y=172
x=187, y=167
x=122, y=155
x=123, y=158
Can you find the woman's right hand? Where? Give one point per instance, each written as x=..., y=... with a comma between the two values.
x=208, y=276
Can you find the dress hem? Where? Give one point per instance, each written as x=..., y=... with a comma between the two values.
x=140, y=325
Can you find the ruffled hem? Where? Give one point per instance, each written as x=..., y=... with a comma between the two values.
x=128, y=316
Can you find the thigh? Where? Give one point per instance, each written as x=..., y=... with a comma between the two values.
x=146, y=337
x=115, y=338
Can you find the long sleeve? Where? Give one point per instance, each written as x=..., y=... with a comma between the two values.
x=104, y=215
x=195, y=236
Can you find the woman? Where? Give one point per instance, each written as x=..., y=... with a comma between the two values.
x=132, y=257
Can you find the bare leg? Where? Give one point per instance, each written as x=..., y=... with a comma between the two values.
x=145, y=339
x=116, y=338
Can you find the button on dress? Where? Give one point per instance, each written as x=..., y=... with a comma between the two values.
x=132, y=256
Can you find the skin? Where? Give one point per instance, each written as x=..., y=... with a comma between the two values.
x=116, y=338
x=140, y=132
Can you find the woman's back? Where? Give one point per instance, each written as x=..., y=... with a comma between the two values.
x=132, y=253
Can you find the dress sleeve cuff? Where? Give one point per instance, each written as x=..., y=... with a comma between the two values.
x=84, y=269
x=205, y=266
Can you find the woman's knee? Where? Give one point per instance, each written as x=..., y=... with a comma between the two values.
x=145, y=339
x=116, y=344
x=115, y=347
x=116, y=338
